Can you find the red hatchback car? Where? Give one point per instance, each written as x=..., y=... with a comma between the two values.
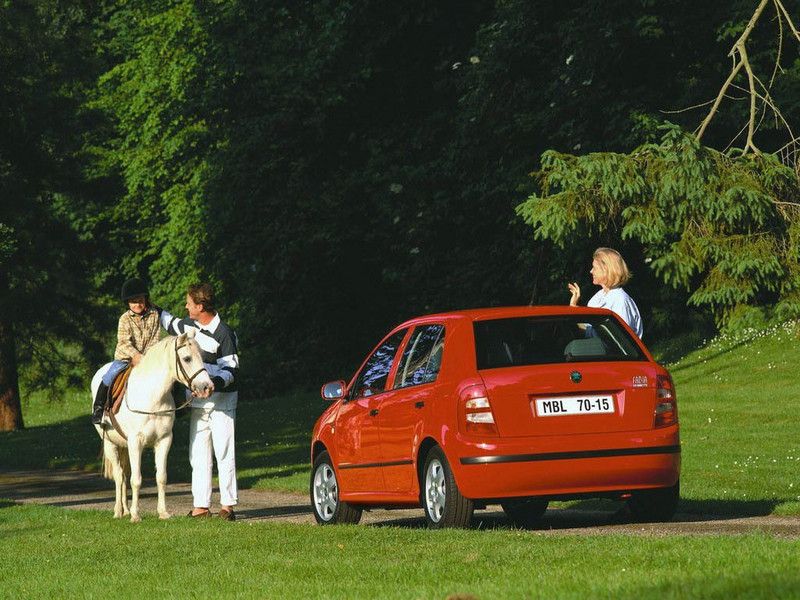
x=509, y=406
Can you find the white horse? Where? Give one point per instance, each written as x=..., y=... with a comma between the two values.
x=146, y=417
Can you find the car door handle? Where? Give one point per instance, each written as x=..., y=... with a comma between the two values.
x=419, y=404
x=373, y=412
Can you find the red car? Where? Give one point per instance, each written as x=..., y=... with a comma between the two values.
x=509, y=406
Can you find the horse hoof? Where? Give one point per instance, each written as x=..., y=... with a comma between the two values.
x=136, y=519
x=118, y=515
x=164, y=516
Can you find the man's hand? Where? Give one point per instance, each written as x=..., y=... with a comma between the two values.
x=136, y=359
x=575, y=290
x=216, y=382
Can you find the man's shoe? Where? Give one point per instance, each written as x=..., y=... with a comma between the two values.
x=201, y=515
x=226, y=514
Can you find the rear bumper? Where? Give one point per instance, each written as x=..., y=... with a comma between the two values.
x=565, y=465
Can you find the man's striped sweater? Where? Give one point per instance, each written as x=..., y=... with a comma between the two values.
x=218, y=347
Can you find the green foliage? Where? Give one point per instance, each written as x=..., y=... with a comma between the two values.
x=7, y=243
x=156, y=95
x=334, y=167
x=723, y=227
x=45, y=60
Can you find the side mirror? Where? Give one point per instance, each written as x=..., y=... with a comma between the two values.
x=333, y=390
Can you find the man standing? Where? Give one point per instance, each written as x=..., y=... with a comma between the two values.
x=213, y=418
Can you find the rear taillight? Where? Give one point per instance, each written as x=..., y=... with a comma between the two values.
x=666, y=404
x=478, y=417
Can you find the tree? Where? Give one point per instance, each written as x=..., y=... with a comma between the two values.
x=42, y=275
x=724, y=225
x=157, y=95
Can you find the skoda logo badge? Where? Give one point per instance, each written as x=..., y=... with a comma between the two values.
x=576, y=377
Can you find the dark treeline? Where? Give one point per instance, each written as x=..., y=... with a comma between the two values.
x=332, y=167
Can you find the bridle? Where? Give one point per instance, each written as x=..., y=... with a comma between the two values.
x=179, y=366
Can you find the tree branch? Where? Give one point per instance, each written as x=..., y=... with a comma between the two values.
x=783, y=10
x=702, y=129
x=751, y=125
x=738, y=50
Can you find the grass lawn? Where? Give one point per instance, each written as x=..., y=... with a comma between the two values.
x=51, y=552
x=737, y=397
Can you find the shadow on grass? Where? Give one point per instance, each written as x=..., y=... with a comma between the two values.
x=727, y=509
x=688, y=365
x=272, y=440
x=72, y=445
x=691, y=510
x=599, y=512
x=274, y=512
x=495, y=519
x=675, y=347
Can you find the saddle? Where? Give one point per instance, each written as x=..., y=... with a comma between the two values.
x=116, y=391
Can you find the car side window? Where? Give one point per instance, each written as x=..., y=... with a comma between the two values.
x=422, y=357
x=372, y=379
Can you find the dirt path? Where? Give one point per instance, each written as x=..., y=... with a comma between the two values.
x=78, y=490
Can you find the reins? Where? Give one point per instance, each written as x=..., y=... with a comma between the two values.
x=179, y=370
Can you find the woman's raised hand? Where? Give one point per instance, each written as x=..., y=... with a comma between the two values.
x=575, y=290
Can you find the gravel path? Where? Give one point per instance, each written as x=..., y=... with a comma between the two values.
x=79, y=490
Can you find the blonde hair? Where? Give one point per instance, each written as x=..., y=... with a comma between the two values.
x=614, y=265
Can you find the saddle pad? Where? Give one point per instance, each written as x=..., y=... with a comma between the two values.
x=118, y=389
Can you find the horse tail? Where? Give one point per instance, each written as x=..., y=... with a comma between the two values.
x=108, y=464
x=108, y=467
x=125, y=459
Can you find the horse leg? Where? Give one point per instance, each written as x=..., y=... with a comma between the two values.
x=126, y=473
x=112, y=454
x=135, y=457
x=161, y=451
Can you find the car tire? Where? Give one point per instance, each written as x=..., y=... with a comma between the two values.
x=443, y=503
x=525, y=513
x=655, y=505
x=324, y=492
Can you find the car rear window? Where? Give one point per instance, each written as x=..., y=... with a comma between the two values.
x=549, y=340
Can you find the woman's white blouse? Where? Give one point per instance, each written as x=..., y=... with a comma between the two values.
x=620, y=302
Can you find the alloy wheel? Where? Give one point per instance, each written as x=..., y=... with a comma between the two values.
x=435, y=490
x=326, y=492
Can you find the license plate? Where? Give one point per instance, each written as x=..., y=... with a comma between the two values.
x=574, y=405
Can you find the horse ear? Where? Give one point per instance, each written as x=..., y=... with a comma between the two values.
x=181, y=338
x=190, y=333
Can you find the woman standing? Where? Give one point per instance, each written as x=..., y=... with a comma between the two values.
x=610, y=272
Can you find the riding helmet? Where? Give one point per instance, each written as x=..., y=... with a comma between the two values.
x=133, y=288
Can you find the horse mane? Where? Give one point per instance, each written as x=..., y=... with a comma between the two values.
x=162, y=346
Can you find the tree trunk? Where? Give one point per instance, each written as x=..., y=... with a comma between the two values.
x=10, y=408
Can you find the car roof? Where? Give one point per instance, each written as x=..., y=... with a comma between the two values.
x=504, y=312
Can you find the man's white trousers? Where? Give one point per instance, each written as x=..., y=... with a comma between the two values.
x=212, y=430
